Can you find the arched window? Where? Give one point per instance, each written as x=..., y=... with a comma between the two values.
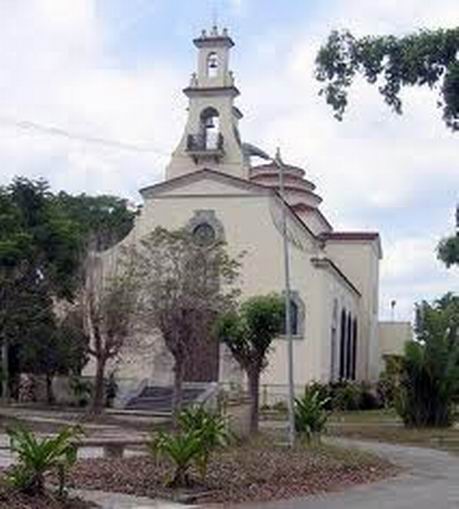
x=297, y=315
x=210, y=129
x=347, y=374
x=334, y=342
x=212, y=65
x=354, y=349
x=342, y=345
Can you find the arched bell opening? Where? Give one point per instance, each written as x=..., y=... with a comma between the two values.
x=212, y=65
x=210, y=129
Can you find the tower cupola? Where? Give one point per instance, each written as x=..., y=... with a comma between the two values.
x=211, y=138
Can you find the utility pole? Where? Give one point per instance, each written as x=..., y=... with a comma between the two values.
x=288, y=316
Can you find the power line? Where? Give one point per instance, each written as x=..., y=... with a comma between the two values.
x=28, y=125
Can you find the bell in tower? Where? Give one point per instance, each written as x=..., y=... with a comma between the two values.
x=211, y=139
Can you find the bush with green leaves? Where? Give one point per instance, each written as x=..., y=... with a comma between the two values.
x=82, y=390
x=310, y=414
x=183, y=449
x=200, y=433
x=212, y=429
x=430, y=367
x=347, y=396
x=39, y=456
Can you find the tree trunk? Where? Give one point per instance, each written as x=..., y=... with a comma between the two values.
x=50, y=399
x=97, y=404
x=178, y=386
x=254, y=391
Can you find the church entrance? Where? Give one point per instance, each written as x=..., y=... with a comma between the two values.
x=202, y=361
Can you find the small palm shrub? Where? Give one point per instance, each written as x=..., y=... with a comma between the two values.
x=183, y=449
x=311, y=415
x=200, y=433
x=212, y=429
x=38, y=456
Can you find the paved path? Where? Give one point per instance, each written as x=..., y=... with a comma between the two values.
x=430, y=482
x=120, y=501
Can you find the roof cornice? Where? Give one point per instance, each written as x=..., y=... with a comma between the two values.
x=328, y=264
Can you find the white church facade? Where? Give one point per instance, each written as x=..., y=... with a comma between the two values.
x=214, y=187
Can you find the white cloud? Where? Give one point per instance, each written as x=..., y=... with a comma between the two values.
x=55, y=70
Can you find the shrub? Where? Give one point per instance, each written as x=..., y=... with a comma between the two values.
x=182, y=449
x=37, y=456
x=200, y=433
x=347, y=396
x=82, y=390
x=430, y=367
x=310, y=414
x=211, y=428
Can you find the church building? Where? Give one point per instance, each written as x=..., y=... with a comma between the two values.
x=218, y=186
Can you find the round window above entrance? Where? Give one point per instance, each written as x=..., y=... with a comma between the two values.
x=204, y=234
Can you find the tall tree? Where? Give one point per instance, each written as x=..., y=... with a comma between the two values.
x=108, y=303
x=104, y=220
x=43, y=240
x=38, y=261
x=185, y=285
x=425, y=58
x=249, y=334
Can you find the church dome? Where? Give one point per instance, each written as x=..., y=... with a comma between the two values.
x=297, y=188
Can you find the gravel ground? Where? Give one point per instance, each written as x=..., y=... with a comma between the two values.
x=250, y=473
x=15, y=500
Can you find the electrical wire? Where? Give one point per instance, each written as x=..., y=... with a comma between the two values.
x=28, y=125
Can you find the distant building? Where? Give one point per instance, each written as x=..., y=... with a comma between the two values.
x=214, y=188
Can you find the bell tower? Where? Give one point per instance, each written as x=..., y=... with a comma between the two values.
x=211, y=138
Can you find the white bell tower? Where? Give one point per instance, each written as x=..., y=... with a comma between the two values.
x=211, y=138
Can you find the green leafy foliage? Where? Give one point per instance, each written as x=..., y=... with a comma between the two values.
x=82, y=390
x=430, y=368
x=448, y=251
x=311, y=415
x=212, y=429
x=103, y=220
x=38, y=456
x=182, y=449
x=249, y=333
x=200, y=433
x=42, y=239
x=424, y=58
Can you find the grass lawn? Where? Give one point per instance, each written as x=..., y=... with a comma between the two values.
x=385, y=426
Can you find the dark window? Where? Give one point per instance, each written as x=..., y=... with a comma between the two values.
x=342, y=345
x=354, y=349
x=348, y=347
x=294, y=318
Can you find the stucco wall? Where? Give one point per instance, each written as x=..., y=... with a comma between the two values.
x=392, y=338
x=360, y=262
x=251, y=225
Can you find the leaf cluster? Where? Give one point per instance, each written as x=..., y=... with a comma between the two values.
x=425, y=58
x=311, y=415
x=38, y=456
x=249, y=331
x=200, y=433
x=430, y=368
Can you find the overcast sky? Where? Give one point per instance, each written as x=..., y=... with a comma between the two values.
x=114, y=69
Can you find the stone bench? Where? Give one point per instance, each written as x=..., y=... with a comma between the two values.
x=112, y=447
